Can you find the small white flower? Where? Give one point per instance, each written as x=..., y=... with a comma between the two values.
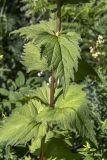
x=98, y=53
x=39, y=74
x=95, y=55
x=49, y=80
x=91, y=49
x=100, y=37
x=100, y=41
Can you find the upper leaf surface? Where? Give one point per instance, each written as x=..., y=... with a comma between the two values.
x=22, y=126
x=31, y=32
x=62, y=53
x=31, y=58
x=71, y=112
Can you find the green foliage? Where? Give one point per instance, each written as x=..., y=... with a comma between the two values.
x=13, y=93
x=34, y=115
x=71, y=112
x=22, y=125
x=28, y=121
x=32, y=7
x=59, y=150
x=33, y=32
x=65, y=48
x=104, y=126
x=32, y=60
x=74, y=1
x=55, y=46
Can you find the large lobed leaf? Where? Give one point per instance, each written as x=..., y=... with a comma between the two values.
x=71, y=112
x=62, y=53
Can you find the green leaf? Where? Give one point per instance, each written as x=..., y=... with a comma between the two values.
x=22, y=126
x=32, y=7
x=35, y=144
x=31, y=58
x=4, y=92
x=104, y=125
x=59, y=150
x=62, y=53
x=20, y=80
x=71, y=112
x=31, y=32
x=88, y=157
x=42, y=93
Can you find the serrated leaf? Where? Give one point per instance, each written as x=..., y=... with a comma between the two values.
x=35, y=144
x=31, y=32
x=62, y=53
x=43, y=93
x=22, y=126
x=31, y=58
x=71, y=112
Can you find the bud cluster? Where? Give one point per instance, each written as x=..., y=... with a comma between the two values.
x=96, y=51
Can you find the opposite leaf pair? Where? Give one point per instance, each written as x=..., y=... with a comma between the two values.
x=32, y=120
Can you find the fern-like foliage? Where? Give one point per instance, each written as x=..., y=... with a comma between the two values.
x=33, y=31
x=22, y=126
x=31, y=58
x=31, y=121
x=31, y=7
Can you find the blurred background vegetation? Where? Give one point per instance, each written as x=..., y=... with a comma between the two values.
x=90, y=21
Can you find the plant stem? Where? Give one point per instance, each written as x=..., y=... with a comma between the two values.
x=58, y=16
x=42, y=157
x=52, y=89
x=58, y=28
x=53, y=80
